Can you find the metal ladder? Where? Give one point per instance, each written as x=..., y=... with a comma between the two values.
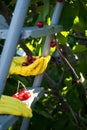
x=12, y=35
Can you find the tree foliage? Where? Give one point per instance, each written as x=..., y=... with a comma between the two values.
x=64, y=103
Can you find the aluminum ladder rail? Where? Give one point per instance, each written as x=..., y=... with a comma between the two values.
x=9, y=49
x=12, y=40
x=8, y=53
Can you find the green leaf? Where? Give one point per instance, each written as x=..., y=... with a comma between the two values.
x=83, y=64
x=67, y=16
x=12, y=3
x=68, y=81
x=46, y=9
x=79, y=48
x=82, y=16
x=42, y=112
x=61, y=38
x=22, y=79
x=45, y=114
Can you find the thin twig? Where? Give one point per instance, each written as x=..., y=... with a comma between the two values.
x=25, y=48
x=67, y=62
x=78, y=37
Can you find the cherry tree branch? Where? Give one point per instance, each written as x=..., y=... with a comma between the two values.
x=59, y=96
x=67, y=62
x=6, y=12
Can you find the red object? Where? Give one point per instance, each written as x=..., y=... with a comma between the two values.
x=59, y=0
x=22, y=90
x=52, y=44
x=15, y=95
x=29, y=58
x=26, y=95
x=25, y=64
x=40, y=24
x=33, y=59
x=29, y=61
x=22, y=95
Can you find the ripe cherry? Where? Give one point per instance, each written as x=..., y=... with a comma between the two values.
x=52, y=44
x=15, y=95
x=33, y=59
x=22, y=95
x=29, y=61
x=22, y=90
x=40, y=24
x=29, y=58
x=25, y=64
x=59, y=0
x=26, y=95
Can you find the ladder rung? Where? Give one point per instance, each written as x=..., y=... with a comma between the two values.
x=33, y=31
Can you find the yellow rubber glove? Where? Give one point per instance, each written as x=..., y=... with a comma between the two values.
x=37, y=67
x=13, y=106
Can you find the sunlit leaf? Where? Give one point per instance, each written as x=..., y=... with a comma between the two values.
x=46, y=8
x=76, y=20
x=79, y=48
x=67, y=16
x=61, y=38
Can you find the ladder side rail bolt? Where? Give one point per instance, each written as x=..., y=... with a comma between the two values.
x=11, y=40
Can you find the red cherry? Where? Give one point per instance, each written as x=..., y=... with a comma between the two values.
x=25, y=64
x=33, y=59
x=30, y=62
x=29, y=58
x=21, y=91
x=26, y=95
x=40, y=24
x=15, y=95
x=20, y=94
x=52, y=44
x=59, y=0
x=20, y=97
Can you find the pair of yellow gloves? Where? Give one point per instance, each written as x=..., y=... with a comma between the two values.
x=10, y=105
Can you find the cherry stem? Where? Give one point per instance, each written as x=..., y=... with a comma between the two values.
x=19, y=82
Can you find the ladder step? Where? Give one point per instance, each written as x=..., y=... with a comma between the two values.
x=33, y=31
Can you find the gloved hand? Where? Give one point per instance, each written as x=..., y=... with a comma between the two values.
x=13, y=106
x=37, y=67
